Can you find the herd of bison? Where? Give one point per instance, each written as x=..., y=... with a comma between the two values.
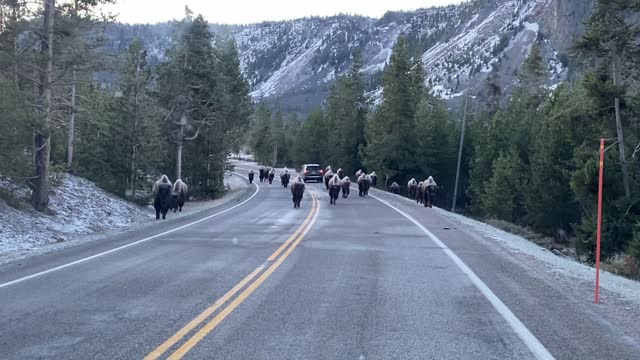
x=423, y=192
x=168, y=196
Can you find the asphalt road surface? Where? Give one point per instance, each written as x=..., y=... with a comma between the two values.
x=369, y=278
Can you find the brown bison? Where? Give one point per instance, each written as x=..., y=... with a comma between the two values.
x=284, y=177
x=251, y=175
x=271, y=175
x=340, y=173
x=334, y=189
x=412, y=187
x=419, y=193
x=327, y=176
x=346, y=187
x=263, y=174
x=162, y=196
x=179, y=194
x=297, y=190
x=364, y=184
x=429, y=188
x=374, y=179
x=394, y=188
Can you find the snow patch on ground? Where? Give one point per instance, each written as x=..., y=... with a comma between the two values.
x=77, y=207
x=628, y=289
x=531, y=26
x=79, y=211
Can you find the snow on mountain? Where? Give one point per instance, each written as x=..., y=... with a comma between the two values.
x=298, y=60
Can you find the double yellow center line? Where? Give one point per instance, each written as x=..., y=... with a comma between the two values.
x=249, y=286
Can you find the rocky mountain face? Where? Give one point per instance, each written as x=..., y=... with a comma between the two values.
x=294, y=63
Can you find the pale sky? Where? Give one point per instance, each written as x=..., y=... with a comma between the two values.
x=251, y=11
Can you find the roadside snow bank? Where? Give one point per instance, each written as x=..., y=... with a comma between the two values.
x=77, y=207
x=518, y=245
x=81, y=212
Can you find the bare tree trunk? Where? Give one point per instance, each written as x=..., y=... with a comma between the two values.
x=620, y=131
x=42, y=136
x=464, y=126
x=71, y=131
x=275, y=155
x=134, y=142
x=179, y=153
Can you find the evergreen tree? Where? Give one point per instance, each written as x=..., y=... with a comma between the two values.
x=391, y=141
x=501, y=197
x=610, y=39
x=347, y=109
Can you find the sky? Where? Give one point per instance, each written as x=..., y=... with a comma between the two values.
x=251, y=11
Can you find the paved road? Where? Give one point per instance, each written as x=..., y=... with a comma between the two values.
x=372, y=278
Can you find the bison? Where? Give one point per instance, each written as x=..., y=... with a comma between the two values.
x=263, y=174
x=419, y=192
x=251, y=175
x=346, y=187
x=327, y=176
x=162, y=196
x=297, y=190
x=394, y=188
x=334, y=189
x=412, y=187
x=358, y=173
x=284, y=177
x=179, y=193
x=364, y=184
x=429, y=188
x=374, y=179
x=271, y=175
x=340, y=173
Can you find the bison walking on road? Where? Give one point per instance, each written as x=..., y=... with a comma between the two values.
x=429, y=188
x=334, y=189
x=297, y=190
x=346, y=187
x=179, y=193
x=271, y=175
x=251, y=175
x=263, y=174
x=364, y=184
x=284, y=177
x=327, y=176
x=374, y=179
x=419, y=193
x=162, y=196
x=394, y=188
x=412, y=187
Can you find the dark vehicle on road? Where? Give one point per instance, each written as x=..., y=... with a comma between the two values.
x=312, y=172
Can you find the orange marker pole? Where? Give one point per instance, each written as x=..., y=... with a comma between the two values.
x=599, y=226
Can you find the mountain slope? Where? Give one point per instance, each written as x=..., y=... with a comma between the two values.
x=295, y=62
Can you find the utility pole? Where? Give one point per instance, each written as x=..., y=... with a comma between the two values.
x=464, y=126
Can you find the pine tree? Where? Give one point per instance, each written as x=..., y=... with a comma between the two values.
x=187, y=82
x=391, y=141
x=346, y=111
x=549, y=200
x=610, y=38
x=501, y=198
x=136, y=111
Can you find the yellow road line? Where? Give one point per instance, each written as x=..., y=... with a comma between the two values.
x=156, y=353
x=202, y=317
x=198, y=336
x=292, y=237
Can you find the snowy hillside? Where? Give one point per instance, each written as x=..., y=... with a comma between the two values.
x=298, y=60
x=77, y=206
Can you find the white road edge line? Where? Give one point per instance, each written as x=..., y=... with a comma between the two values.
x=16, y=281
x=534, y=345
